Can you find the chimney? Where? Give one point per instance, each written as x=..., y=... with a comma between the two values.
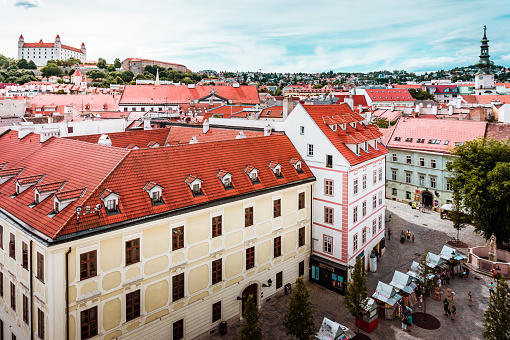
x=349, y=101
x=25, y=129
x=418, y=107
x=47, y=133
x=457, y=103
x=240, y=135
x=360, y=108
x=288, y=105
x=193, y=140
x=392, y=107
x=146, y=123
x=104, y=140
x=368, y=117
x=434, y=110
x=267, y=130
x=450, y=109
x=205, y=126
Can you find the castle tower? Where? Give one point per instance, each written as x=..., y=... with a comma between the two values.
x=21, y=44
x=84, y=51
x=58, y=44
x=484, y=79
x=57, y=47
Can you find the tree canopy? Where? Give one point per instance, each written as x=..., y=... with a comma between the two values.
x=101, y=63
x=51, y=70
x=421, y=95
x=299, y=320
x=481, y=183
x=117, y=63
x=497, y=316
x=356, y=296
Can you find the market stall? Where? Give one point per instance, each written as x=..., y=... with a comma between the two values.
x=387, y=300
x=331, y=330
x=406, y=286
x=414, y=273
x=452, y=257
x=370, y=321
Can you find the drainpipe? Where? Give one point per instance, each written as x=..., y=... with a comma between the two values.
x=31, y=296
x=67, y=293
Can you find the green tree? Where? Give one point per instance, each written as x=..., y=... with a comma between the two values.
x=110, y=68
x=117, y=63
x=299, y=320
x=71, y=71
x=127, y=76
x=32, y=65
x=250, y=329
x=481, y=183
x=96, y=74
x=421, y=95
x=497, y=316
x=457, y=217
x=382, y=123
x=51, y=70
x=22, y=64
x=61, y=92
x=101, y=63
x=4, y=61
x=356, y=296
x=426, y=274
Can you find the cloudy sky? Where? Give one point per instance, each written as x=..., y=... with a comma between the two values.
x=271, y=35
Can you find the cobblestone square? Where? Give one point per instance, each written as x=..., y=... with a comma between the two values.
x=430, y=232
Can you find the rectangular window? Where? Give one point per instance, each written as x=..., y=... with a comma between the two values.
x=375, y=176
x=216, y=226
x=178, y=330
x=394, y=192
x=355, y=214
x=24, y=255
x=355, y=187
x=88, y=265
x=301, y=237
x=25, y=309
x=132, y=305
x=393, y=175
x=432, y=182
x=310, y=150
x=178, y=238
x=328, y=215
x=277, y=208
x=364, y=236
x=394, y=157
x=374, y=226
x=374, y=202
x=380, y=174
x=364, y=209
x=328, y=187
x=422, y=180
x=302, y=130
x=422, y=161
x=216, y=271
x=277, y=247
x=408, y=177
x=380, y=222
x=355, y=242
x=448, y=184
x=216, y=311
x=279, y=280
x=177, y=287
x=132, y=251
x=40, y=324
x=433, y=163
x=1, y=237
x=380, y=198
x=301, y=268
x=13, y=296
x=408, y=195
x=409, y=160
x=329, y=161
x=12, y=246
x=328, y=244
x=40, y=267
x=88, y=323
x=250, y=258
x=248, y=216
x=301, y=200
x=364, y=182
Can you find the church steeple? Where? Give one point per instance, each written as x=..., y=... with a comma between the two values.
x=484, y=64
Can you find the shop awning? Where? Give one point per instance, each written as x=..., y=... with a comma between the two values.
x=403, y=282
x=331, y=330
x=448, y=252
x=386, y=293
x=328, y=262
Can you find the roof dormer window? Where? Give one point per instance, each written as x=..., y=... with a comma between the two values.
x=343, y=126
x=297, y=164
x=366, y=146
x=357, y=149
x=277, y=169
x=155, y=192
x=63, y=199
x=226, y=179
x=195, y=184
x=110, y=201
x=333, y=127
x=253, y=173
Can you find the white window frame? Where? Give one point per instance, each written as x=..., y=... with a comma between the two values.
x=364, y=182
x=310, y=150
x=327, y=245
x=355, y=242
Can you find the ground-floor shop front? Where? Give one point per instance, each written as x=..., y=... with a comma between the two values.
x=328, y=274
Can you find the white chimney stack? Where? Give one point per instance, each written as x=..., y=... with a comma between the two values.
x=147, y=123
x=392, y=107
x=104, y=140
x=267, y=130
x=25, y=129
x=205, y=126
x=368, y=117
x=418, y=107
x=47, y=133
x=349, y=101
x=434, y=110
x=457, y=103
x=450, y=109
x=288, y=105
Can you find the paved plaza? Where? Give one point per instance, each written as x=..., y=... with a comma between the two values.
x=430, y=232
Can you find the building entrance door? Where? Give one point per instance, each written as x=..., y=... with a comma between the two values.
x=250, y=290
x=427, y=199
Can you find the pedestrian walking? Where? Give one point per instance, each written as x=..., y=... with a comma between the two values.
x=413, y=238
x=389, y=234
x=453, y=312
x=491, y=289
x=408, y=234
x=404, y=323
x=409, y=322
x=446, y=306
x=470, y=299
x=421, y=299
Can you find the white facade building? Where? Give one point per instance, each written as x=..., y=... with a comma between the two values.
x=40, y=53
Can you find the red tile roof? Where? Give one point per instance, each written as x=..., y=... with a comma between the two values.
x=182, y=94
x=272, y=112
x=440, y=130
x=95, y=102
x=50, y=186
x=358, y=99
x=385, y=95
x=174, y=167
x=29, y=179
x=334, y=114
x=487, y=99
